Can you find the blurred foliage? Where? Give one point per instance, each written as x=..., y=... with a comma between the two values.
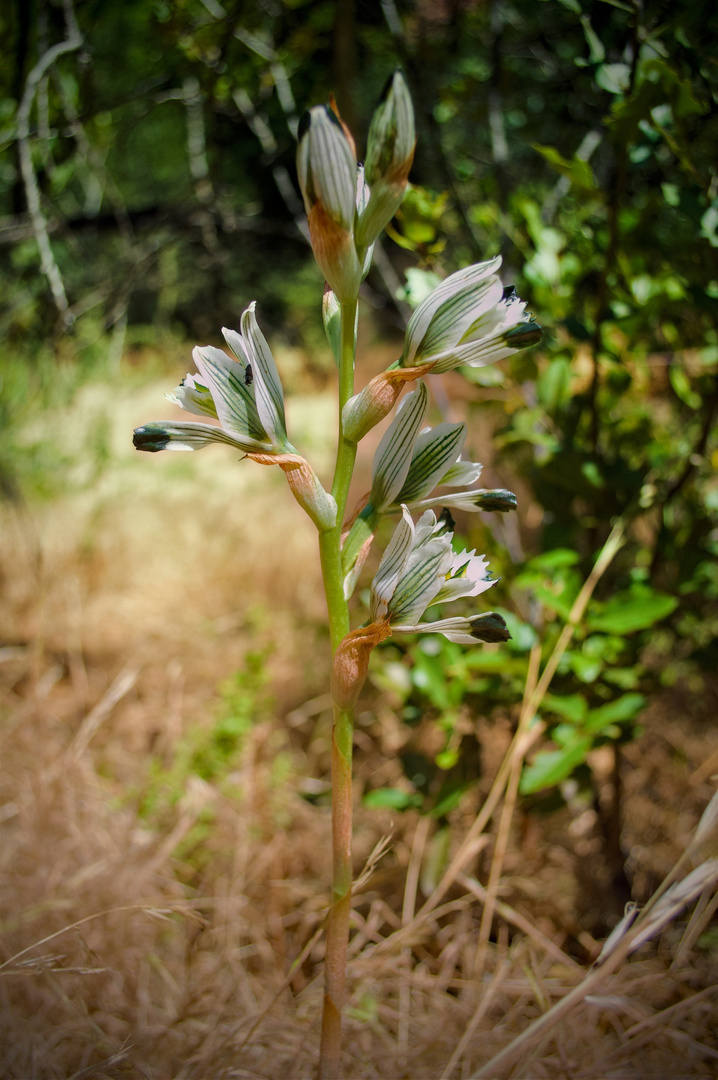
x=577, y=139
x=205, y=756
x=211, y=754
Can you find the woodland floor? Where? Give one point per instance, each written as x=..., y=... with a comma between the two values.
x=151, y=917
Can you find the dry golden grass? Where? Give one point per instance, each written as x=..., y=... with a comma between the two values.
x=186, y=944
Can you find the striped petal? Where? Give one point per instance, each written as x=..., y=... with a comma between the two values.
x=421, y=319
x=488, y=627
x=487, y=350
x=498, y=499
x=193, y=397
x=421, y=580
x=461, y=473
x=433, y=452
x=190, y=436
x=326, y=166
x=458, y=314
x=394, y=453
x=266, y=384
x=391, y=566
x=233, y=399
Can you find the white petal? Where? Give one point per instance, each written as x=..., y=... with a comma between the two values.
x=233, y=399
x=193, y=397
x=462, y=473
x=422, y=317
x=458, y=314
x=391, y=566
x=394, y=453
x=421, y=580
x=190, y=436
x=266, y=383
x=433, y=451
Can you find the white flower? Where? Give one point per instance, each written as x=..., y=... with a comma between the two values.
x=419, y=568
x=245, y=395
x=469, y=319
x=408, y=464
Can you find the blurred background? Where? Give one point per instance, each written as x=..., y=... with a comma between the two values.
x=163, y=656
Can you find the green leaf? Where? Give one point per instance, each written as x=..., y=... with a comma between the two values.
x=560, y=603
x=550, y=767
x=619, y=711
x=391, y=799
x=553, y=385
x=626, y=614
x=574, y=169
x=625, y=678
x=596, y=48
x=682, y=387
x=585, y=668
x=571, y=706
x=552, y=560
x=615, y=78
x=449, y=800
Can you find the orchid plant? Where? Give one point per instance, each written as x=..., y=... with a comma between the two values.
x=470, y=319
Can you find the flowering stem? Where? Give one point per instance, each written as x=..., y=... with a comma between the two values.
x=342, y=730
x=346, y=450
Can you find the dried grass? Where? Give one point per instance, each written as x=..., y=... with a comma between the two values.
x=133, y=949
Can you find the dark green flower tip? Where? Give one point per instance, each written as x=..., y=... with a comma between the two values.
x=500, y=500
x=489, y=627
x=446, y=519
x=524, y=334
x=150, y=437
x=387, y=87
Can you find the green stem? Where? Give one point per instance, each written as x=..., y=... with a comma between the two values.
x=342, y=731
x=364, y=527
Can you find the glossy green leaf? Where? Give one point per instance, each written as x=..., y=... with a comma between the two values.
x=578, y=172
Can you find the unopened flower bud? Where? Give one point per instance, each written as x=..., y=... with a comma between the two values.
x=332, y=319
x=367, y=409
x=326, y=166
x=390, y=153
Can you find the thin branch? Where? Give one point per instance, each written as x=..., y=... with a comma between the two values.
x=32, y=190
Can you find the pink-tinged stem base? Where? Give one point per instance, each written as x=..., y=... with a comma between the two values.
x=339, y=916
